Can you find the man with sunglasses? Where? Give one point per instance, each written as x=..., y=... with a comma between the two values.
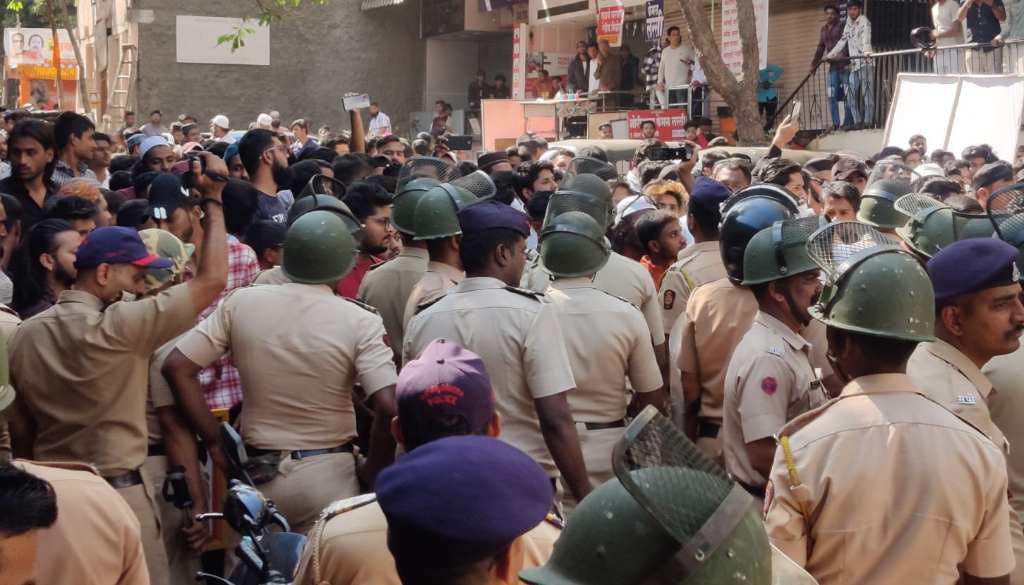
x=266, y=161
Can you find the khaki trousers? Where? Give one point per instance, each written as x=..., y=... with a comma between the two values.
x=306, y=486
x=182, y=564
x=141, y=500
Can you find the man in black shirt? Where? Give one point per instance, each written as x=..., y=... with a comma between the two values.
x=33, y=154
x=983, y=24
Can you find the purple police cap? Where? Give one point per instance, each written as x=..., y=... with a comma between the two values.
x=445, y=384
x=490, y=214
x=116, y=245
x=709, y=193
x=972, y=265
x=460, y=500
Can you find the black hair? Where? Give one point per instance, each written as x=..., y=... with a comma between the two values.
x=964, y=204
x=911, y=151
x=388, y=182
x=41, y=132
x=28, y=274
x=70, y=208
x=477, y=248
x=939, y=187
x=301, y=123
x=777, y=171
x=70, y=124
x=734, y=163
x=27, y=502
x=101, y=136
x=303, y=171
x=953, y=168
x=133, y=213
x=670, y=29
x=651, y=122
x=265, y=234
x=252, y=146
x=506, y=184
x=983, y=151
x=706, y=219
x=501, y=77
x=842, y=190
x=650, y=170
x=883, y=353
x=650, y=226
x=538, y=205
x=364, y=198
x=532, y=172
x=832, y=7
x=991, y=173
x=120, y=180
x=217, y=148
x=320, y=153
x=466, y=167
x=593, y=151
x=122, y=162
x=156, y=112
x=692, y=123
x=349, y=167
x=388, y=140
x=938, y=154
x=141, y=183
x=857, y=3
x=240, y=206
x=12, y=208
x=114, y=199
x=887, y=152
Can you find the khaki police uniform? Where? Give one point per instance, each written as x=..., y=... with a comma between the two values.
x=348, y=546
x=436, y=281
x=96, y=539
x=387, y=286
x=698, y=264
x=299, y=349
x=82, y=372
x=9, y=322
x=769, y=381
x=1006, y=404
x=517, y=335
x=182, y=564
x=623, y=278
x=607, y=340
x=883, y=485
x=273, y=275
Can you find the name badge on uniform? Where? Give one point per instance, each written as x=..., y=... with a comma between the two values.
x=968, y=399
x=775, y=350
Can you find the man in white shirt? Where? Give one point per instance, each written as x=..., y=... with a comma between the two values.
x=220, y=127
x=1013, y=29
x=948, y=30
x=857, y=40
x=677, y=61
x=380, y=124
x=593, y=81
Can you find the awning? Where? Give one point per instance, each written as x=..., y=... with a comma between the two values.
x=371, y=4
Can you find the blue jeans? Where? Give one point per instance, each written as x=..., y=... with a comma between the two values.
x=861, y=86
x=835, y=83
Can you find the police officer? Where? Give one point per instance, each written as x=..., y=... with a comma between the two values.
x=298, y=422
x=884, y=485
x=516, y=333
x=605, y=336
x=877, y=204
x=457, y=509
x=770, y=379
x=933, y=225
x=81, y=367
x=436, y=224
x=443, y=393
x=676, y=519
x=387, y=286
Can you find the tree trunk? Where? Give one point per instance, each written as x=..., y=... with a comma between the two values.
x=82, y=91
x=740, y=94
x=56, y=55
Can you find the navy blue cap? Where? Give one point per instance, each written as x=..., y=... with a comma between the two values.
x=709, y=193
x=116, y=245
x=166, y=195
x=460, y=500
x=490, y=214
x=972, y=265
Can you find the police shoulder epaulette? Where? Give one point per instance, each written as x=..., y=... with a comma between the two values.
x=625, y=300
x=526, y=292
x=680, y=265
x=554, y=521
x=423, y=306
x=346, y=505
x=362, y=305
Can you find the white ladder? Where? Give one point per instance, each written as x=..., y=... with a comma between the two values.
x=123, y=85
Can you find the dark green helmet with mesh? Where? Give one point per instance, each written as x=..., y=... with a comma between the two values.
x=437, y=212
x=933, y=225
x=308, y=203
x=878, y=204
x=871, y=285
x=572, y=245
x=669, y=516
x=780, y=251
x=318, y=248
x=404, y=208
x=1005, y=210
x=743, y=215
x=586, y=193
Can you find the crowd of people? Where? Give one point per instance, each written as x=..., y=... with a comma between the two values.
x=433, y=362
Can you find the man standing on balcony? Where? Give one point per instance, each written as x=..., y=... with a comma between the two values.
x=947, y=30
x=831, y=32
x=983, y=18
x=856, y=40
x=1013, y=30
x=677, y=61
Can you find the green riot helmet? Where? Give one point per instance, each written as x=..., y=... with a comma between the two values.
x=318, y=248
x=669, y=516
x=933, y=225
x=404, y=208
x=322, y=202
x=871, y=285
x=741, y=221
x=780, y=251
x=572, y=245
x=438, y=169
x=585, y=165
x=478, y=183
x=877, y=204
x=586, y=193
x=437, y=212
x=763, y=191
x=1005, y=210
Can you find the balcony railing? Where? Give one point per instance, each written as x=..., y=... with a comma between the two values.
x=865, y=97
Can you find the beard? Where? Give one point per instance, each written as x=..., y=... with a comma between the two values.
x=282, y=175
x=63, y=276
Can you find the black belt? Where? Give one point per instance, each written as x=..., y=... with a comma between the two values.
x=156, y=449
x=757, y=492
x=597, y=426
x=126, y=480
x=707, y=429
x=304, y=453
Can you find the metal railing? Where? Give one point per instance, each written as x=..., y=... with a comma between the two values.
x=865, y=99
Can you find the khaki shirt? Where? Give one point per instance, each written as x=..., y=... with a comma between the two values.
x=889, y=487
x=352, y=546
x=96, y=539
x=607, y=340
x=769, y=381
x=9, y=322
x=273, y=275
x=698, y=264
x=82, y=373
x=623, y=278
x=160, y=393
x=387, y=288
x=718, y=314
x=298, y=349
x=948, y=377
x=1006, y=404
x=436, y=281
x=518, y=336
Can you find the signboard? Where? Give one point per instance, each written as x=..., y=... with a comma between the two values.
x=611, y=15
x=668, y=123
x=655, y=21
x=196, y=39
x=732, y=47
x=520, y=39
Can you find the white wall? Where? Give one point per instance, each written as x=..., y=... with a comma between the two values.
x=451, y=66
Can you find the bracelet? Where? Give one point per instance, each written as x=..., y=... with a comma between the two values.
x=204, y=201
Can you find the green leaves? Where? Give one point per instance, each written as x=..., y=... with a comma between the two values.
x=268, y=12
